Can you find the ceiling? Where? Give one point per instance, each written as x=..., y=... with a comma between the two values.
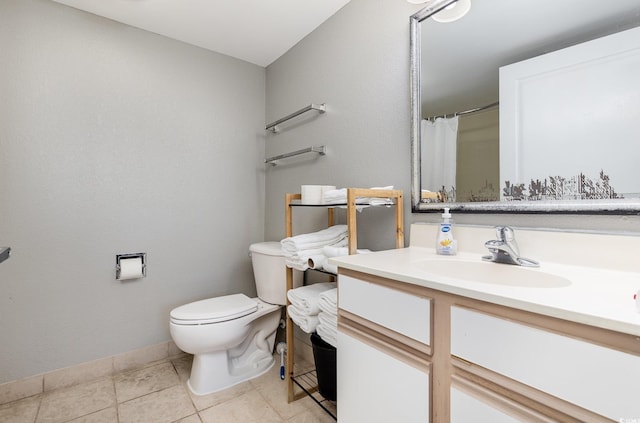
x=257, y=31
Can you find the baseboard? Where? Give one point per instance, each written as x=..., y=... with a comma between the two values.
x=84, y=372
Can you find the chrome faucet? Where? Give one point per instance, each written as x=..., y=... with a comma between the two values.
x=505, y=249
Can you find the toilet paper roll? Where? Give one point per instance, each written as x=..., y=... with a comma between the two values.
x=131, y=268
x=311, y=194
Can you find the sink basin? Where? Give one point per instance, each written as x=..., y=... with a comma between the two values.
x=493, y=273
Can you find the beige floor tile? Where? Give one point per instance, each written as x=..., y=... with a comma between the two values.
x=274, y=391
x=164, y=406
x=77, y=374
x=141, y=382
x=141, y=357
x=108, y=415
x=77, y=401
x=22, y=411
x=19, y=389
x=206, y=401
x=183, y=367
x=191, y=419
x=247, y=408
x=317, y=415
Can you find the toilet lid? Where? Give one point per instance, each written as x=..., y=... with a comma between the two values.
x=214, y=310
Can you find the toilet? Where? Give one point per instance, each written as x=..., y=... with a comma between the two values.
x=232, y=337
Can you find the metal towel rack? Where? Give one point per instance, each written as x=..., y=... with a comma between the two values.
x=321, y=149
x=274, y=126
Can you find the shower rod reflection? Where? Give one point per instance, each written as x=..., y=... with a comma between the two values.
x=466, y=112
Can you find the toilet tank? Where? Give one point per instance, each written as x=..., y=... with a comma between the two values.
x=269, y=271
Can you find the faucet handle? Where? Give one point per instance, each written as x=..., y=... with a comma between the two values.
x=509, y=236
x=508, y=233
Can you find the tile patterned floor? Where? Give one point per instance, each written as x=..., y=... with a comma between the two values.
x=157, y=393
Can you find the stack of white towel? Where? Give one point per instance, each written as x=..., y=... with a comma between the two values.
x=339, y=196
x=298, y=250
x=313, y=250
x=305, y=304
x=328, y=317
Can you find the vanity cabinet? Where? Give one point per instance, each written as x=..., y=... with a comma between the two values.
x=383, y=344
x=434, y=356
x=593, y=377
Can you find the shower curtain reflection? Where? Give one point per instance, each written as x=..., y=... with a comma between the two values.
x=439, y=148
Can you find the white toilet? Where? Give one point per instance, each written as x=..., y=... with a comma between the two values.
x=232, y=337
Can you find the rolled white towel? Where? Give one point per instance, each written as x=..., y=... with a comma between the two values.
x=305, y=322
x=300, y=260
x=328, y=301
x=328, y=335
x=317, y=261
x=306, y=298
x=328, y=236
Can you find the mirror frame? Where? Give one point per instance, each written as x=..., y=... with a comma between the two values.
x=612, y=207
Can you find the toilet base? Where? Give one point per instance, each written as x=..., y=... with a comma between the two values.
x=219, y=370
x=204, y=386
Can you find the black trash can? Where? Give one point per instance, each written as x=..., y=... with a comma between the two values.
x=324, y=355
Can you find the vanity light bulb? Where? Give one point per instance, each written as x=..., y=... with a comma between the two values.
x=453, y=12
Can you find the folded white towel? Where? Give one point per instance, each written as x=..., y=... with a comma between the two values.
x=339, y=196
x=305, y=322
x=329, y=320
x=328, y=301
x=333, y=251
x=328, y=335
x=335, y=196
x=310, y=241
x=306, y=297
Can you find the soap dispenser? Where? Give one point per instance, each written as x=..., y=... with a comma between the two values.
x=445, y=244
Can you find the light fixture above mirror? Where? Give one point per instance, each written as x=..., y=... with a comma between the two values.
x=453, y=12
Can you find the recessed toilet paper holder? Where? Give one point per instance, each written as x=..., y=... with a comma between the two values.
x=142, y=256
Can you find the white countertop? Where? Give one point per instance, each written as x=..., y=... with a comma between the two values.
x=598, y=297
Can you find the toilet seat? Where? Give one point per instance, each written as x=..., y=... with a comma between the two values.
x=214, y=310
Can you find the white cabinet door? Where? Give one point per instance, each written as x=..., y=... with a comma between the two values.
x=375, y=387
x=593, y=377
x=465, y=409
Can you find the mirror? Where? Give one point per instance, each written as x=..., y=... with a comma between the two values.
x=455, y=82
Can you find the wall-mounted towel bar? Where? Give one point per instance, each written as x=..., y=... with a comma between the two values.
x=321, y=149
x=5, y=253
x=274, y=126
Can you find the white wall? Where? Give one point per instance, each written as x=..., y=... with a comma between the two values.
x=116, y=140
x=358, y=63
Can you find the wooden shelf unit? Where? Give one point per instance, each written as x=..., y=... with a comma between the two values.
x=352, y=195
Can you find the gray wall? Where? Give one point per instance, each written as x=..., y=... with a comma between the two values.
x=358, y=63
x=116, y=140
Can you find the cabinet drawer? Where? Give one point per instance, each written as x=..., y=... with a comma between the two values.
x=404, y=313
x=596, y=378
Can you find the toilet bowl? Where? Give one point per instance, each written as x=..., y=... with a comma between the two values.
x=232, y=337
